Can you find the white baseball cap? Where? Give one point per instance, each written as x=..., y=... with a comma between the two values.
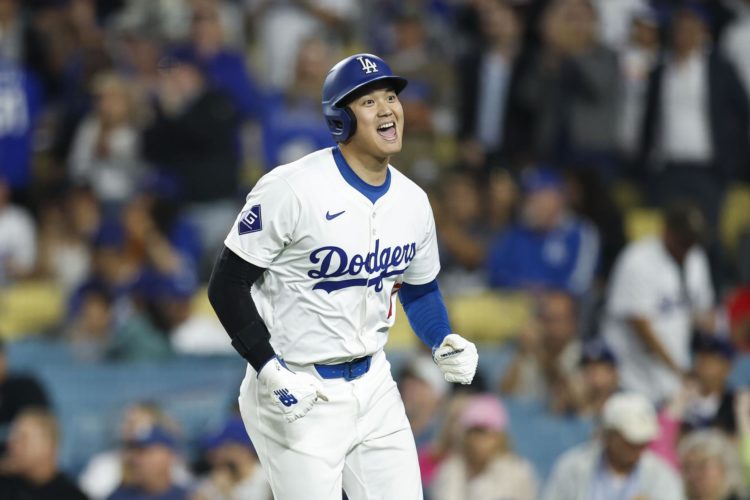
x=632, y=415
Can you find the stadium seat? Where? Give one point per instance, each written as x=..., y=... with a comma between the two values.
x=641, y=222
x=735, y=216
x=30, y=307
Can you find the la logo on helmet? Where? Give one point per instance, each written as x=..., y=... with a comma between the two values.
x=367, y=65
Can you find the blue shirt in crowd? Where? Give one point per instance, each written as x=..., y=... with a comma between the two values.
x=563, y=258
x=20, y=103
x=132, y=493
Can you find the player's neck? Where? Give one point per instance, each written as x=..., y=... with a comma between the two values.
x=370, y=169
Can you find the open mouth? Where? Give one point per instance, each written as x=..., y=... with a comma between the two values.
x=387, y=131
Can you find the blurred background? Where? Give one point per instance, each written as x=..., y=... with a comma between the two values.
x=588, y=164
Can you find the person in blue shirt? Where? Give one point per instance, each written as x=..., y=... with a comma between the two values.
x=20, y=104
x=224, y=68
x=548, y=247
x=291, y=121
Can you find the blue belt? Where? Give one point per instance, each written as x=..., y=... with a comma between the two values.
x=348, y=371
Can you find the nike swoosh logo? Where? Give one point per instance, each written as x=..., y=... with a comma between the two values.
x=330, y=216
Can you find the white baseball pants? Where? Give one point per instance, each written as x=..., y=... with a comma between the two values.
x=359, y=439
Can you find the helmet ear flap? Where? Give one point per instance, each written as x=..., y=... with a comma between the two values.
x=352, y=123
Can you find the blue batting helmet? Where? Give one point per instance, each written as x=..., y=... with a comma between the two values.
x=345, y=78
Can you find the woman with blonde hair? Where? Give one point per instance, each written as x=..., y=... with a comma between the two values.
x=484, y=467
x=710, y=466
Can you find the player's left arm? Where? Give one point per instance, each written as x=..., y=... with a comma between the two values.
x=425, y=308
x=428, y=317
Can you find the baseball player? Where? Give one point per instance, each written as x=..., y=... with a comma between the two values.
x=326, y=243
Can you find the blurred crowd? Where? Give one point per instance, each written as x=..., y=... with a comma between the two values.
x=131, y=130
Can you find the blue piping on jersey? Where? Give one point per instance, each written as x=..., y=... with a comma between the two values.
x=371, y=192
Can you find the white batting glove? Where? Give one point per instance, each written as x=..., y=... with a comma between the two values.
x=293, y=393
x=457, y=358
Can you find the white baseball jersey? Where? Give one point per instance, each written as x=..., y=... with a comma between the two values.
x=334, y=259
x=647, y=282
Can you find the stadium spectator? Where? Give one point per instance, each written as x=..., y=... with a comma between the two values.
x=428, y=100
x=223, y=67
x=660, y=289
x=90, y=330
x=485, y=467
x=281, y=27
x=572, y=87
x=548, y=247
x=464, y=234
x=17, y=393
x=548, y=352
x=108, y=469
x=615, y=16
x=67, y=224
x=697, y=118
x=491, y=121
x=638, y=56
x=291, y=123
x=594, y=382
x=29, y=467
x=736, y=39
x=616, y=465
x=193, y=139
x=17, y=237
x=710, y=467
x=423, y=390
x=20, y=107
x=235, y=472
x=705, y=401
x=150, y=456
x=105, y=152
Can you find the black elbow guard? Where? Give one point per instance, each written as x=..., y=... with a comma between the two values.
x=229, y=294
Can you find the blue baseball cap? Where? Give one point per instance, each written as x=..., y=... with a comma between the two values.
x=597, y=351
x=713, y=344
x=537, y=179
x=232, y=432
x=152, y=436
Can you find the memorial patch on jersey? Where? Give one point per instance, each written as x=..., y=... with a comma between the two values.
x=250, y=221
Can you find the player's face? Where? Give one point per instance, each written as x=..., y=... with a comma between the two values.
x=380, y=124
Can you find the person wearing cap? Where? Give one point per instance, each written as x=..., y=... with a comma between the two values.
x=659, y=290
x=29, y=468
x=617, y=464
x=235, y=472
x=595, y=381
x=549, y=247
x=484, y=467
x=150, y=456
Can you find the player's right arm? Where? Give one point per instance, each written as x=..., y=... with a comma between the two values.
x=262, y=230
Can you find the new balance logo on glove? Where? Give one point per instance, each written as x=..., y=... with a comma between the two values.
x=294, y=394
x=285, y=397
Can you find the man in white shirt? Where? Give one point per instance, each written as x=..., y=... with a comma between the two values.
x=660, y=287
x=617, y=466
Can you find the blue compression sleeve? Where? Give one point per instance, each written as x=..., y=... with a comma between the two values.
x=425, y=309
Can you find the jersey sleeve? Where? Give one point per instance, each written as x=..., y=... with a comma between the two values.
x=426, y=264
x=266, y=223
